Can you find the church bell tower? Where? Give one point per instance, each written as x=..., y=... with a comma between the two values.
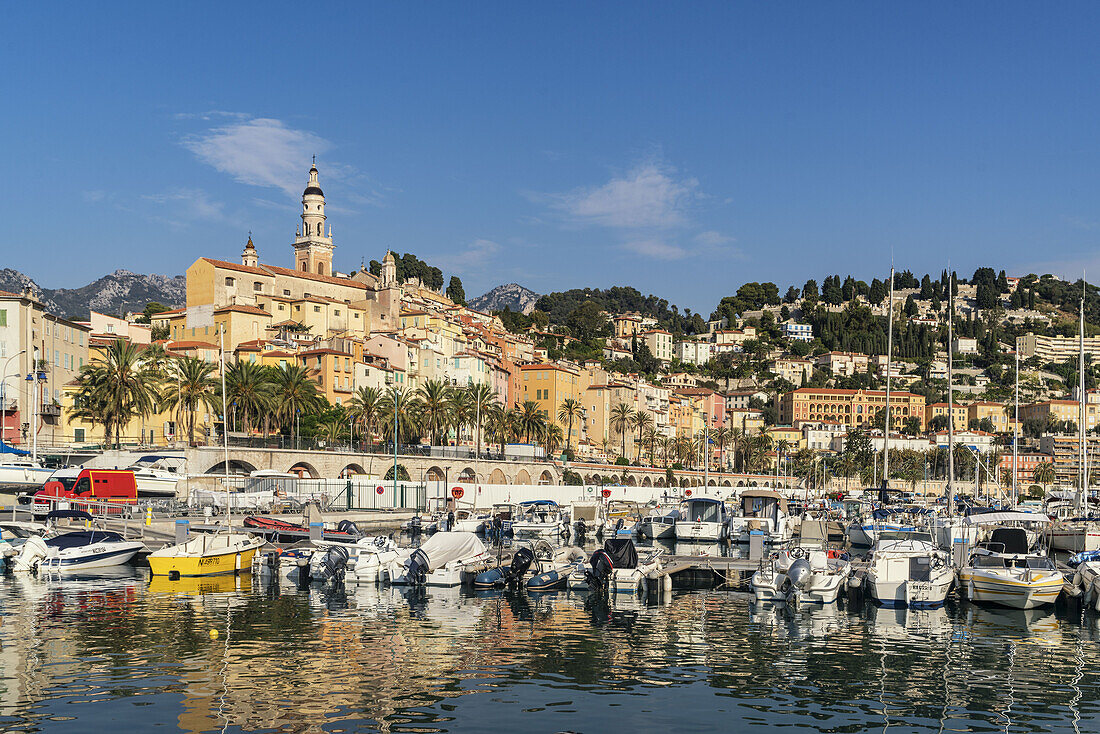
x=312, y=247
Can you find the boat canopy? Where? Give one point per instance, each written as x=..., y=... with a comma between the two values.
x=764, y=494
x=68, y=514
x=1012, y=540
x=442, y=548
x=530, y=503
x=999, y=518
x=6, y=449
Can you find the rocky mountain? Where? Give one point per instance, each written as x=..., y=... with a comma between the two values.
x=115, y=293
x=512, y=295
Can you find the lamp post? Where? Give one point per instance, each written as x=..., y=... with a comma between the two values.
x=3, y=385
x=36, y=378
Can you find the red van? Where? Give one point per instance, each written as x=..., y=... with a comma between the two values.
x=95, y=485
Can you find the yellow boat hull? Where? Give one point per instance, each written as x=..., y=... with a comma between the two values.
x=212, y=564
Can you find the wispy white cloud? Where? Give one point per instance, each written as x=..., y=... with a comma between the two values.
x=179, y=207
x=656, y=249
x=712, y=238
x=472, y=258
x=259, y=152
x=650, y=195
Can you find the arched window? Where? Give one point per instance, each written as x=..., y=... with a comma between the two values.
x=320, y=268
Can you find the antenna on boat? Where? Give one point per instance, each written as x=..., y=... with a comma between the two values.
x=1081, y=397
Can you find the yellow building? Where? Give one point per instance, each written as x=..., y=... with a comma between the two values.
x=333, y=371
x=960, y=422
x=158, y=429
x=854, y=408
x=659, y=342
x=995, y=412
x=549, y=385
x=1060, y=410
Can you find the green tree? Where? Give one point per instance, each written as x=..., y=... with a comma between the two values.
x=404, y=404
x=621, y=417
x=249, y=390
x=295, y=395
x=529, y=419
x=569, y=411
x=435, y=409
x=455, y=291
x=115, y=387
x=366, y=407
x=191, y=386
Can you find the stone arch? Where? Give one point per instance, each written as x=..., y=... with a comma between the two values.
x=305, y=470
x=236, y=466
x=753, y=484
x=630, y=480
x=740, y=482
x=646, y=482
x=467, y=475
x=660, y=482
x=546, y=477
x=726, y=483
x=497, y=477
x=615, y=479
x=712, y=483
x=522, y=477
x=351, y=470
x=434, y=474
x=592, y=479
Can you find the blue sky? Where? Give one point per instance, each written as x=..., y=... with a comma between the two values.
x=682, y=148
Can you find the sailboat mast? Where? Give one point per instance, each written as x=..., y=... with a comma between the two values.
x=1016, y=436
x=225, y=429
x=1081, y=397
x=950, y=394
x=889, y=357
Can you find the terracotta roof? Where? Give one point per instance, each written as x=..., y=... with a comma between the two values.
x=236, y=266
x=241, y=308
x=324, y=350
x=835, y=391
x=314, y=276
x=170, y=312
x=189, y=345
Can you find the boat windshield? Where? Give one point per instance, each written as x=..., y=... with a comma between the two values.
x=1041, y=564
x=704, y=512
x=920, y=568
x=989, y=562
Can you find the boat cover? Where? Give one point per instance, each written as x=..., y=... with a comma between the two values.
x=442, y=548
x=6, y=449
x=622, y=552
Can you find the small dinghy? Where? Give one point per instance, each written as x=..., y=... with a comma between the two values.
x=800, y=574
x=553, y=566
x=445, y=559
x=508, y=576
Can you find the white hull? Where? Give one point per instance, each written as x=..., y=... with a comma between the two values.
x=148, y=486
x=23, y=477
x=474, y=525
x=537, y=528
x=896, y=593
x=1025, y=590
x=687, y=530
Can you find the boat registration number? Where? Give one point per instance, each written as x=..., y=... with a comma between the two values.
x=918, y=591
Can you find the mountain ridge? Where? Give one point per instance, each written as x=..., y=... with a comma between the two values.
x=115, y=293
x=513, y=295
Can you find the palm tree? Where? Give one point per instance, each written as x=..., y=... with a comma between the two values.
x=569, y=410
x=552, y=438
x=1045, y=474
x=530, y=419
x=332, y=429
x=366, y=407
x=435, y=406
x=721, y=437
x=483, y=400
x=621, y=415
x=498, y=424
x=295, y=393
x=196, y=387
x=641, y=420
x=461, y=409
x=650, y=441
x=667, y=445
x=247, y=388
x=406, y=407
x=736, y=434
x=117, y=387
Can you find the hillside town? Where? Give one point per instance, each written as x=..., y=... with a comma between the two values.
x=768, y=384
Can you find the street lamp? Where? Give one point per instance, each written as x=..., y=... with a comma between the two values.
x=36, y=377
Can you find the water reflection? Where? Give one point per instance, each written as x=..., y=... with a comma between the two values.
x=203, y=655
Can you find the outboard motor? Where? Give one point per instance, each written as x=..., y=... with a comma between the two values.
x=328, y=565
x=800, y=573
x=347, y=526
x=599, y=570
x=521, y=562
x=619, y=525
x=414, y=525
x=418, y=568
x=580, y=527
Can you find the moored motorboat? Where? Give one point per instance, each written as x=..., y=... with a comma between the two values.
x=206, y=554
x=703, y=519
x=538, y=517
x=905, y=568
x=445, y=559
x=1006, y=570
x=761, y=510
x=74, y=548
x=800, y=574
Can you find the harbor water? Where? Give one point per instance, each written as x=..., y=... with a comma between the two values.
x=127, y=652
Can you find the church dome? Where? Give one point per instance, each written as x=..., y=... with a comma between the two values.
x=313, y=190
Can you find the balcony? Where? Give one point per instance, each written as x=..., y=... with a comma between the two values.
x=50, y=410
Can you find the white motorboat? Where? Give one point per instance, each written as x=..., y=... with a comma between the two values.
x=1005, y=570
x=74, y=548
x=703, y=519
x=586, y=517
x=469, y=520
x=1075, y=535
x=620, y=518
x=618, y=569
x=660, y=523
x=369, y=556
x=762, y=510
x=538, y=517
x=905, y=568
x=20, y=474
x=445, y=559
x=156, y=476
x=800, y=574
